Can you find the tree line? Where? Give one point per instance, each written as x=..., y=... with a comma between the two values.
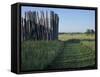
x=90, y=31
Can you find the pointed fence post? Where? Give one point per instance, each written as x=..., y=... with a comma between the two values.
x=39, y=25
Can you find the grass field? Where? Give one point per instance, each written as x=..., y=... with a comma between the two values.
x=36, y=55
x=71, y=51
x=65, y=37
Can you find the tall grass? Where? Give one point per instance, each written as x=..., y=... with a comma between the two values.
x=36, y=55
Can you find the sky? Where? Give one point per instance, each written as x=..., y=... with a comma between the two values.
x=70, y=20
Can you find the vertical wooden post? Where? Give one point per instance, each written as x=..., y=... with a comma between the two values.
x=40, y=25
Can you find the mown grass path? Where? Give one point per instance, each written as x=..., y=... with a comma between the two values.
x=73, y=55
x=39, y=55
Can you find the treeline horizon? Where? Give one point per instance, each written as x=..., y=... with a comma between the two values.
x=88, y=31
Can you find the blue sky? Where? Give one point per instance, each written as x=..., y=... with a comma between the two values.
x=70, y=20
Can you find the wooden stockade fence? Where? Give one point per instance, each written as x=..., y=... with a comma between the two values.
x=39, y=25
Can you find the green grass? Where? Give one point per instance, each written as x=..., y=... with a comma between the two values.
x=36, y=55
x=72, y=51
x=74, y=55
x=65, y=37
x=89, y=44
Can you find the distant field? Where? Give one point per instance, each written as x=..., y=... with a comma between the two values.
x=65, y=37
x=71, y=51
